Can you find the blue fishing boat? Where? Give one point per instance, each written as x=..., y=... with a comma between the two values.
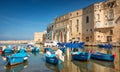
x=52, y=59
x=79, y=55
x=82, y=56
x=1, y=50
x=51, y=56
x=8, y=50
x=61, y=46
x=49, y=49
x=35, y=49
x=103, y=56
x=17, y=58
x=22, y=50
x=107, y=46
x=63, y=50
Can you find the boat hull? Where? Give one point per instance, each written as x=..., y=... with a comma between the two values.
x=52, y=60
x=102, y=56
x=17, y=58
x=83, y=56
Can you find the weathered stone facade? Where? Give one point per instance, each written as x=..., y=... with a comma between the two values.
x=38, y=37
x=98, y=22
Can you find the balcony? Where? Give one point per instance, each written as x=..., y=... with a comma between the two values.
x=102, y=25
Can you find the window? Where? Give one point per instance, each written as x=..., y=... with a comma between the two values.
x=77, y=13
x=111, y=32
x=87, y=39
x=98, y=36
x=98, y=17
x=90, y=36
x=70, y=14
x=87, y=19
x=70, y=25
x=110, y=14
x=91, y=30
x=86, y=29
x=109, y=38
x=77, y=26
x=111, y=4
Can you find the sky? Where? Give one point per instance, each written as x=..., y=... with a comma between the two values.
x=20, y=19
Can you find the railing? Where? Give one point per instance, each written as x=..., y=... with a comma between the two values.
x=101, y=25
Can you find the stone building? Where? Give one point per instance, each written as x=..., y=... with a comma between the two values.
x=88, y=24
x=100, y=28
x=38, y=37
x=107, y=21
x=98, y=22
x=60, y=31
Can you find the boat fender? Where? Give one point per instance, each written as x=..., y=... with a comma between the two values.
x=25, y=58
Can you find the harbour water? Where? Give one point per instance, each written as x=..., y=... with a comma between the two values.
x=36, y=63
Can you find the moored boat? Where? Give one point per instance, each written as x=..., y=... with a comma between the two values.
x=35, y=49
x=82, y=56
x=52, y=59
x=0, y=50
x=8, y=50
x=17, y=58
x=76, y=54
x=103, y=56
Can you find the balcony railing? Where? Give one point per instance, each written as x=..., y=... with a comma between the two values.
x=102, y=25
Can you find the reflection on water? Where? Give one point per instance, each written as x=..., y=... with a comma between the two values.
x=103, y=63
x=55, y=68
x=96, y=66
x=35, y=53
x=16, y=68
x=36, y=63
x=82, y=66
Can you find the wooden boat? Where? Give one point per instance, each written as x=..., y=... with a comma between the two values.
x=61, y=46
x=78, y=55
x=17, y=58
x=102, y=56
x=52, y=59
x=82, y=56
x=8, y=50
x=107, y=46
x=35, y=49
x=1, y=50
x=49, y=49
x=63, y=50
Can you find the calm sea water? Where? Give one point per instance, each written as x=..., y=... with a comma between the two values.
x=36, y=63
